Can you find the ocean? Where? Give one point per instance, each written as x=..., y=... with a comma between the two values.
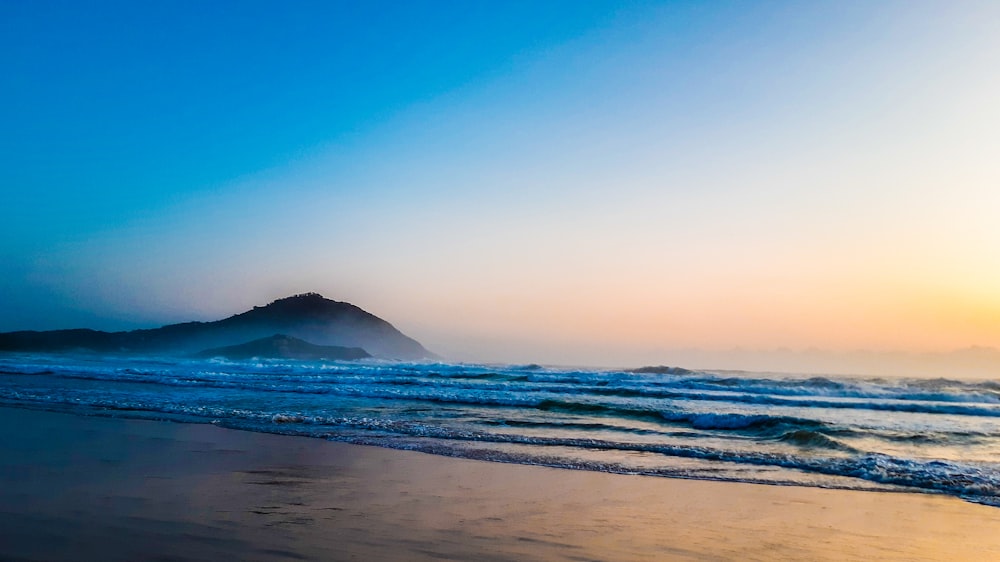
x=885, y=434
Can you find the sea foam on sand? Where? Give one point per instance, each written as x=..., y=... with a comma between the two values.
x=92, y=488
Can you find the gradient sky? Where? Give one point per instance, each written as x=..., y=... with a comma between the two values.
x=605, y=183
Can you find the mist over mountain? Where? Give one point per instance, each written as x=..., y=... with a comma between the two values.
x=280, y=346
x=309, y=316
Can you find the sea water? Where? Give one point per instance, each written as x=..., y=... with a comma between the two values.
x=917, y=435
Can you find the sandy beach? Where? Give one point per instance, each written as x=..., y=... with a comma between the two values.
x=93, y=488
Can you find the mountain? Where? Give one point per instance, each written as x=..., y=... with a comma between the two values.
x=308, y=316
x=280, y=346
x=662, y=370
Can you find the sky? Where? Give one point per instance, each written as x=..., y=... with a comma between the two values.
x=600, y=183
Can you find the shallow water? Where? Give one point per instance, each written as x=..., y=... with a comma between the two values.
x=936, y=435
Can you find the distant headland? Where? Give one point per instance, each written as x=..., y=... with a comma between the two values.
x=306, y=322
x=280, y=346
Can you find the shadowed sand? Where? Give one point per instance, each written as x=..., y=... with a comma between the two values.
x=85, y=488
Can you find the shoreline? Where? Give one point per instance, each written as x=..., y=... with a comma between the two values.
x=102, y=488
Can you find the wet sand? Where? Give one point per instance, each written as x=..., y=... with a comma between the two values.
x=89, y=488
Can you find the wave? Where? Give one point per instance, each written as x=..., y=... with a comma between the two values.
x=754, y=425
x=814, y=439
x=741, y=421
x=592, y=409
x=979, y=483
x=330, y=383
x=759, y=423
x=481, y=376
x=970, y=481
x=912, y=389
x=583, y=426
x=560, y=399
x=762, y=425
x=23, y=371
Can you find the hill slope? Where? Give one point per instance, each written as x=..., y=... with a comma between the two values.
x=280, y=346
x=307, y=316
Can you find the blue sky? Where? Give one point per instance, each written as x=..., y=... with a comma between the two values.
x=116, y=108
x=115, y=111
x=562, y=181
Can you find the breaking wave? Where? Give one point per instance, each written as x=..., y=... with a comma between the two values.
x=937, y=435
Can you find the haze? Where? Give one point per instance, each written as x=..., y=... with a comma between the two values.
x=560, y=182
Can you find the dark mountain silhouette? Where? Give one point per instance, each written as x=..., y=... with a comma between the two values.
x=280, y=346
x=307, y=316
x=662, y=370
